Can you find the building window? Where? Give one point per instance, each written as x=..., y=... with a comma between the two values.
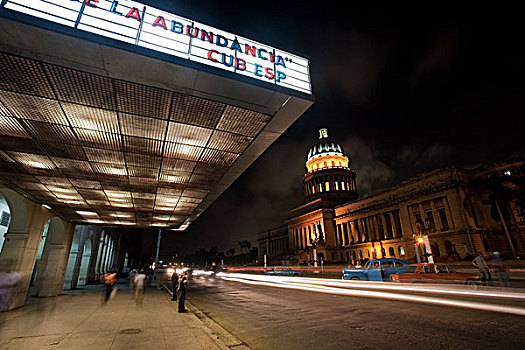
x=333, y=163
x=430, y=220
x=336, y=186
x=443, y=218
x=401, y=251
x=4, y=220
x=327, y=186
x=343, y=186
x=475, y=216
x=391, y=251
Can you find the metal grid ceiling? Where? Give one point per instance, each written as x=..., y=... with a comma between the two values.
x=103, y=151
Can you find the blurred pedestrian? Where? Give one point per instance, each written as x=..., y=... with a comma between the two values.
x=174, y=284
x=132, y=275
x=139, y=287
x=182, y=286
x=498, y=266
x=109, y=279
x=484, y=272
x=9, y=285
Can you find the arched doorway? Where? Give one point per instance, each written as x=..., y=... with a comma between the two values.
x=5, y=219
x=71, y=261
x=86, y=257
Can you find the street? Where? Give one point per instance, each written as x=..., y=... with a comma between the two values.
x=275, y=318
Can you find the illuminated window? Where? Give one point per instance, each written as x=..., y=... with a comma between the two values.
x=340, y=164
x=343, y=186
x=325, y=164
x=336, y=186
x=401, y=251
x=327, y=186
x=333, y=163
x=320, y=187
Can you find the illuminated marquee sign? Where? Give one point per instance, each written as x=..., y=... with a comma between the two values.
x=145, y=26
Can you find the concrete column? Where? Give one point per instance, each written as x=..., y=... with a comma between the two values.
x=53, y=264
x=450, y=218
x=22, y=240
x=78, y=260
x=104, y=254
x=100, y=253
x=435, y=214
x=392, y=224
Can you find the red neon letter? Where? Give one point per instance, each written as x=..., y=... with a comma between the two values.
x=159, y=22
x=92, y=3
x=210, y=57
x=134, y=13
x=269, y=73
x=240, y=64
x=249, y=49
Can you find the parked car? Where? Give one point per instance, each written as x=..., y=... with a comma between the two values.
x=376, y=270
x=283, y=271
x=435, y=273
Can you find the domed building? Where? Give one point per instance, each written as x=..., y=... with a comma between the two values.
x=436, y=216
x=329, y=175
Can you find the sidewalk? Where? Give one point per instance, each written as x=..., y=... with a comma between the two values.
x=77, y=320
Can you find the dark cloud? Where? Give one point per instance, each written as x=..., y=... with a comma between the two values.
x=402, y=92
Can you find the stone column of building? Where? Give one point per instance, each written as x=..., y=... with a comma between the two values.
x=82, y=237
x=53, y=263
x=437, y=219
x=104, y=254
x=22, y=239
x=100, y=253
x=92, y=276
x=393, y=227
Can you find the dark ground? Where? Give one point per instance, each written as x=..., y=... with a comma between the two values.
x=274, y=318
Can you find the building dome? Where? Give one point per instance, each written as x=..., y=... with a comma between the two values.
x=324, y=147
x=325, y=154
x=329, y=175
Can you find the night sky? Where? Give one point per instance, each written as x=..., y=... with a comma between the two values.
x=404, y=90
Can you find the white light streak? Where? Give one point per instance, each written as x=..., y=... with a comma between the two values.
x=315, y=285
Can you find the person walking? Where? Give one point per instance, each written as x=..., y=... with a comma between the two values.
x=109, y=279
x=183, y=284
x=481, y=264
x=132, y=275
x=499, y=268
x=139, y=287
x=174, y=283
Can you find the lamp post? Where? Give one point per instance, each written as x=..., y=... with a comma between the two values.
x=314, y=247
x=423, y=241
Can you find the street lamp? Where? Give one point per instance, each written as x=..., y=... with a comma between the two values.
x=422, y=239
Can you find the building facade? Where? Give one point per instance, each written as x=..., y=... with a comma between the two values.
x=447, y=214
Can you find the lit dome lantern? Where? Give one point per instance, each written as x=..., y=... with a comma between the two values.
x=329, y=175
x=326, y=154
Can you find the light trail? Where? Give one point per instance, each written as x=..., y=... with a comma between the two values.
x=432, y=289
x=374, y=294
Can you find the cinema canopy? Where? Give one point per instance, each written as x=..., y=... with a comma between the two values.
x=117, y=113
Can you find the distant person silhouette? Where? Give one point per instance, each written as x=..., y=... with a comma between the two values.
x=183, y=284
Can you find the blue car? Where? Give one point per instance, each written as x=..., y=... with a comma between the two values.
x=376, y=270
x=283, y=271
